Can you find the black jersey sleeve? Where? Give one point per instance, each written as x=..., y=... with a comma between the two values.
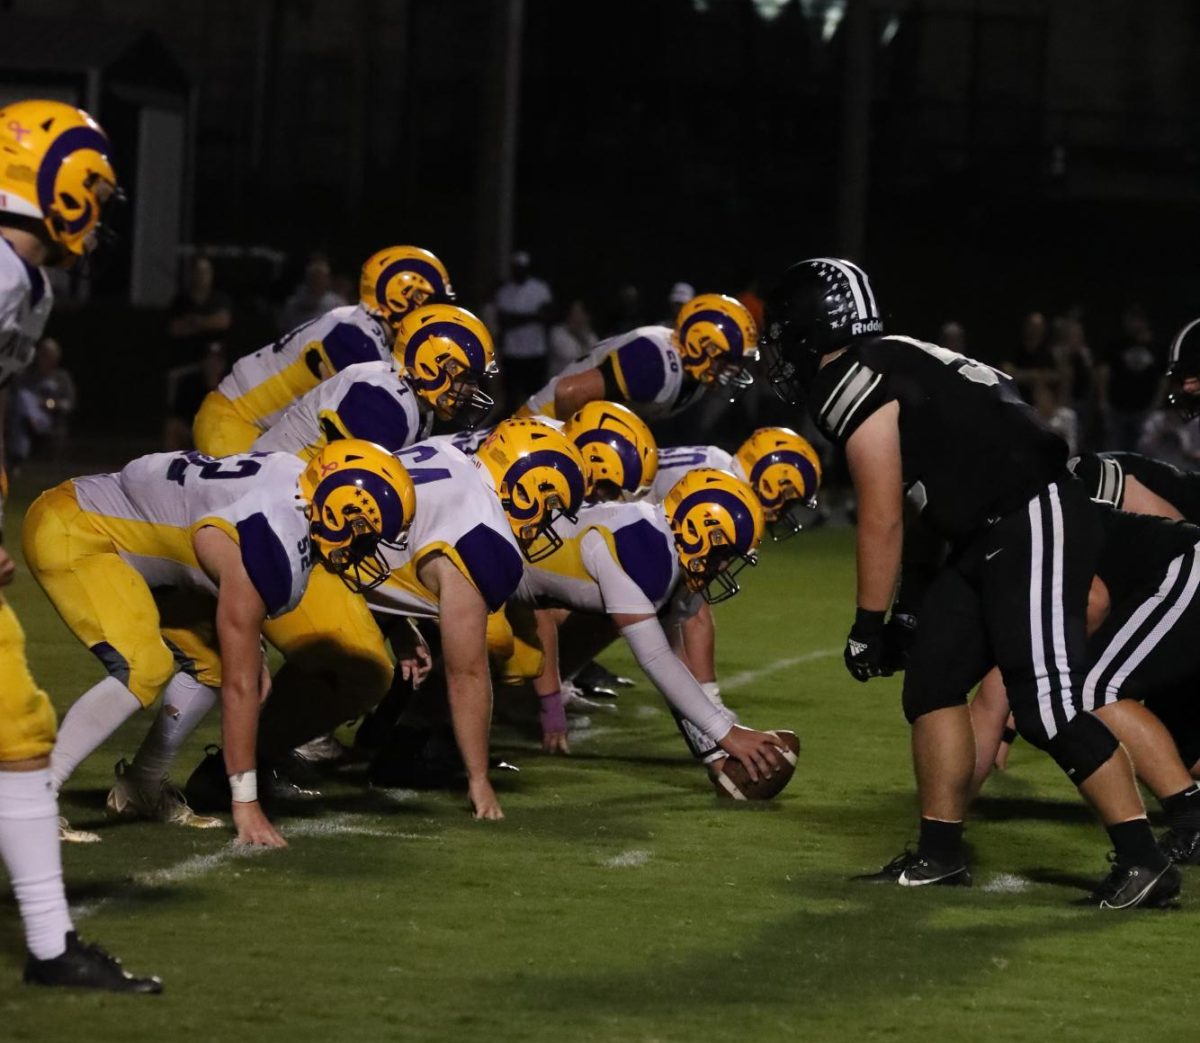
x=1102, y=476
x=846, y=392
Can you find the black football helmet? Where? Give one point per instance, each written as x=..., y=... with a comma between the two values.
x=818, y=306
x=1185, y=363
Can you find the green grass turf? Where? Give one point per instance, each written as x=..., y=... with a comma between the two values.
x=619, y=900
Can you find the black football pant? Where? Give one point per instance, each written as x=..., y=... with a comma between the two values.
x=1016, y=596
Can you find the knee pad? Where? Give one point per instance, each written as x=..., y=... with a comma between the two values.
x=145, y=674
x=1082, y=747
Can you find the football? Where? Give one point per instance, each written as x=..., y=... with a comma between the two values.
x=734, y=783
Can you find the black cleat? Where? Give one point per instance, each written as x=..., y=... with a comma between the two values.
x=910, y=869
x=594, y=679
x=85, y=966
x=1127, y=887
x=1181, y=846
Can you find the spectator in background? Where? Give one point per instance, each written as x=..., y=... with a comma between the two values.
x=752, y=299
x=313, y=297
x=187, y=392
x=1131, y=379
x=1077, y=370
x=953, y=337
x=521, y=305
x=44, y=401
x=570, y=339
x=199, y=313
x=626, y=312
x=1168, y=437
x=679, y=294
x=1031, y=363
x=1059, y=417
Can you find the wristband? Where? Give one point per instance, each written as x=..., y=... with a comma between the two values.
x=1009, y=735
x=712, y=689
x=868, y=621
x=244, y=786
x=552, y=714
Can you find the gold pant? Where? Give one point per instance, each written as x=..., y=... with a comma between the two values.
x=218, y=430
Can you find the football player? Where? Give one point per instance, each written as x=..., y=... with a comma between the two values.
x=245, y=530
x=781, y=467
x=461, y=563
x=56, y=182
x=633, y=562
x=394, y=281
x=657, y=371
x=994, y=481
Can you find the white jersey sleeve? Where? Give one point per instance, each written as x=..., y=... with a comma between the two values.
x=675, y=461
x=459, y=515
x=261, y=386
x=647, y=369
x=368, y=400
x=25, y=302
x=636, y=538
x=153, y=507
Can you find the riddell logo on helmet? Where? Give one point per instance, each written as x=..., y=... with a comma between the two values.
x=870, y=326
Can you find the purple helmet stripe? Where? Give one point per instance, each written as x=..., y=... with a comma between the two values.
x=455, y=331
x=623, y=447
x=61, y=148
x=733, y=332
x=391, y=510
x=410, y=264
x=785, y=456
x=546, y=458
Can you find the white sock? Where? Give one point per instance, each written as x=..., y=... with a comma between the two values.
x=99, y=712
x=185, y=703
x=29, y=848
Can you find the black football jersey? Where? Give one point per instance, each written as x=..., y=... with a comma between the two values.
x=971, y=448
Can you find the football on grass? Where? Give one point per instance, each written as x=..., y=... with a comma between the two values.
x=734, y=782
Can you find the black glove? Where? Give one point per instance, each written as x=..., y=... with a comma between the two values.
x=899, y=635
x=865, y=646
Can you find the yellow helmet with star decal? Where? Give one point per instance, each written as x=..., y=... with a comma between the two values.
x=718, y=524
x=359, y=498
x=56, y=168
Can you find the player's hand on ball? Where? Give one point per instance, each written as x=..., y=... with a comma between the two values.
x=731, y=777
x=483, y=799
x=253, y=827
x=8, y=568
x=865, y=647
x=756, y=750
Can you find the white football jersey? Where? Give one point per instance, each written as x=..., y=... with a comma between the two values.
x=261, y=386
x=25, y=303
x=152, y=508
x=458, y=514
x=648, y=370
x=675, y=461
x=369, y=400
x=578, y=575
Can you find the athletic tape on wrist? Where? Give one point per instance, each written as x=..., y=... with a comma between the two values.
x=244, y=786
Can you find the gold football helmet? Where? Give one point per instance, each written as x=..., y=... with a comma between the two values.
x=718, y=524
x=360, y=497
x=619, y=453
x=398, y=279
x=785, y=472
x=55, y=167
x=717, y=337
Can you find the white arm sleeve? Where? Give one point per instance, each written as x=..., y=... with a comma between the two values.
x=649, y=646
x=618, y=591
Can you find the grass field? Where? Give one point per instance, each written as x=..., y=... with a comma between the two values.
x=619, y=900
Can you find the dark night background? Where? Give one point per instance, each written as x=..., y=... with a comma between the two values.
x=1016, y=154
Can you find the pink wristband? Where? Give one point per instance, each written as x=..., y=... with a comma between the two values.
x=553, y=714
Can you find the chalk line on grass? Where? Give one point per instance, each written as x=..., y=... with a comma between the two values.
x=745, y=677
x=626, y=860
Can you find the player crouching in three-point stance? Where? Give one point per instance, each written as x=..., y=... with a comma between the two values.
x=243, y=530
x=55, y=182
x=1026, y=537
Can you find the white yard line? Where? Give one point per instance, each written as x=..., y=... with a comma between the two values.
x=745, y=677
x=626, y=860
x=197, y=866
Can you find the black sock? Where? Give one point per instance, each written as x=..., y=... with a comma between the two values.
x=1135, y=845
x=1183, y=808
x=940, y=840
